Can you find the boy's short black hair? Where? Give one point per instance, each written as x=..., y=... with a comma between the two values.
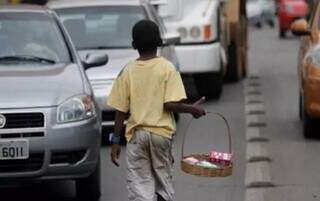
x=146, y=36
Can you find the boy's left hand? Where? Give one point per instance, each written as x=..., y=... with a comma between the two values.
x=115, y=154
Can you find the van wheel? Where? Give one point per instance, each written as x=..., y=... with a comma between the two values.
x=209, y=84
x=234, y=65
x=89, y=189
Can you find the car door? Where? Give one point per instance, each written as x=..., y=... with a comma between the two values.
x=167, y=51
x=306, y=44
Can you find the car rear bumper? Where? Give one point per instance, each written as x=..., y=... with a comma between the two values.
x=199, y=58
x=63, y=151
x=285, y=20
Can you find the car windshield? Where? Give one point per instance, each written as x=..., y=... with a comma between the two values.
x=31, y=38
x=101, y=27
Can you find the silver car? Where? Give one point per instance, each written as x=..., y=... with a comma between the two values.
x=104, y=26
x=49, y=124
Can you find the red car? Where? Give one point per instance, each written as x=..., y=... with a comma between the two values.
x=289, y=11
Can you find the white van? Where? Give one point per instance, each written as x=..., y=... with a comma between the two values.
x=200, y=52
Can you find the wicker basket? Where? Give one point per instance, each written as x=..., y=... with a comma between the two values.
x=197, y=170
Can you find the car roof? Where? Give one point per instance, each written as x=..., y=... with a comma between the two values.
x=24, y=8
x=84, y=3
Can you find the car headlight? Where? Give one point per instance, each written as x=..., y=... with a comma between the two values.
x=183, y=32
x=76, y=109
x=195, y=32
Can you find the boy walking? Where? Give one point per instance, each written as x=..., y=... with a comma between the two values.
x=148, y=90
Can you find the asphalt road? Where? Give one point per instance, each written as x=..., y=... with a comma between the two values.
x=204, y=135
x=294, y=160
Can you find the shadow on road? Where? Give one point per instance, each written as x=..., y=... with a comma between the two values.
x=52, y=191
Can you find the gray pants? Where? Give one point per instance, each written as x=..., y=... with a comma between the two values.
x=149, y=165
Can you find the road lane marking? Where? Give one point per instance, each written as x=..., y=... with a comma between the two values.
x=251, y=108
x=257, y=152
x=257, y=176
x=249, y=99
x=255, y=121
x=255, y=92
x=254, y=194
x=254, y=102
x=253, y=76
x=253, y=84
x=252, y=132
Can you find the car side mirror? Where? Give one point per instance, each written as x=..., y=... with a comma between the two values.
x=171, y=38
x=300, y=28
x=94, y=60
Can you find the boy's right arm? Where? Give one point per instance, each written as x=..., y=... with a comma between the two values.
x=195, y=109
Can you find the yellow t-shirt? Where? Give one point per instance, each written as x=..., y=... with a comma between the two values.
x=142, y=89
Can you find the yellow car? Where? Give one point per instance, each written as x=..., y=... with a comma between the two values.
x=309, y=69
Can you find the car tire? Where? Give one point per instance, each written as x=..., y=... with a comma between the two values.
x=300, y=107
x=282, y=33
x=89, y=189
x=234, y=72
x=209, y=85
x=244, y=65
x=271, y=23
x=308, y=125
x=259, y=25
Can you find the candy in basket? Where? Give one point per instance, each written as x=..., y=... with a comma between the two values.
x=214, y=164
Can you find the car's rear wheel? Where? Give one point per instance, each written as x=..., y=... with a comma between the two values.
x=234, y=69
x=300, y=107
x=89, y=189
x=308, y=125
x=259, y=24
x=271, y=23
x=282, y=33
x=209, y=84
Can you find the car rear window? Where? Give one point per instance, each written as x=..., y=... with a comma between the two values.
x=101, y=27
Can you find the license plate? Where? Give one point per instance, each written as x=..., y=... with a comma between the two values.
x=14, y=149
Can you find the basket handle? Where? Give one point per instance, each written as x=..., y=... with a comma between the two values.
x=211, y=113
